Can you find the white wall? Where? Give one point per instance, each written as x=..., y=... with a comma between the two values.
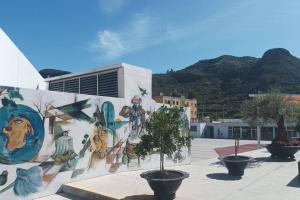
x=135, y=77
x=39, y=102
x=200, y=129
x=16, y=69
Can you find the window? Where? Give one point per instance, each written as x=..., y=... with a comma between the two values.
x=236, y=132
x=266, y=133
x=253, y=133
x=194, y=128
x=246, y=133
x=230, y=132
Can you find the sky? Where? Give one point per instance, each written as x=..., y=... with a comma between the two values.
x=76, y=35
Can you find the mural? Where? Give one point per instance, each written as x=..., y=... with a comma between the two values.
x=48, y=138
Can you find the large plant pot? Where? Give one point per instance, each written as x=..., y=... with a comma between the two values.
x=164, y=187
x=282, y=151
x=236, y=164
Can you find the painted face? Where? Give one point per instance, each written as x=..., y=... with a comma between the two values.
x=136, y=100
x=16, y=130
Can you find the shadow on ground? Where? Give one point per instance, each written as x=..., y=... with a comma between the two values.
x=139, y=197
x=294, y=183
x=269, y=159
x=255, y=162
x=222, y=177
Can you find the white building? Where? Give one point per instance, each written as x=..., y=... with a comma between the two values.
x=227, y=128
x=119, y=80
x=16, y=69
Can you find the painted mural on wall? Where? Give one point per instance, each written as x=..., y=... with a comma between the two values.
x=48, y=138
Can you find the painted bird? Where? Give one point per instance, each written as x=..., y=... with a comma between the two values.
x=3, y=177
x=143, y=91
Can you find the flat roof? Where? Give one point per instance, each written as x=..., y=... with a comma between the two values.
x=97, y=69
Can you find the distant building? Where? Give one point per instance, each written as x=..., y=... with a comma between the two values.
x=227, y=128
x=180, y=102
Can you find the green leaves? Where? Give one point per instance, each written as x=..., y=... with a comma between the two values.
x=163, y=133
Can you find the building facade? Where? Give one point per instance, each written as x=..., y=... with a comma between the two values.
x=16, y=69
x=118, y=80
x=227, y=128
x=180, y=102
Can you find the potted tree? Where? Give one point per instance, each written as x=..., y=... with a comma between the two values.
x=273, y=107
x=236, y=164
x=163, y=136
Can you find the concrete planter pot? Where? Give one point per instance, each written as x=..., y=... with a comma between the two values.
x=282, y=151
x=165, y=187
x=236, y=164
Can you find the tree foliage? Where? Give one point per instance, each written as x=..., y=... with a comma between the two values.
x=163, y=134
x=272, y=107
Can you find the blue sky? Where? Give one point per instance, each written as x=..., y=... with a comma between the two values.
x=75, y=35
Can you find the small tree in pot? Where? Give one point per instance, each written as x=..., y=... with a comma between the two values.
x=163, y=136
x=236, y=164
x=273, y=107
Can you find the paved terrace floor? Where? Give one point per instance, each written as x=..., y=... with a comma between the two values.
x=264, y=179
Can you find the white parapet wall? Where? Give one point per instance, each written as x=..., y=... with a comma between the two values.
x=16, y=69
x=49, y=138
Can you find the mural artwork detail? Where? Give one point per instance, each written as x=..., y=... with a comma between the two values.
x=51, y=137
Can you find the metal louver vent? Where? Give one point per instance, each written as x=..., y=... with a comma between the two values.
x=88, y=85
x=101, y=84
x=108, y=84
x=72, y=85
x=56, y=86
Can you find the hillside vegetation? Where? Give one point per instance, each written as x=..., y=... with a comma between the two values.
x=221, y=84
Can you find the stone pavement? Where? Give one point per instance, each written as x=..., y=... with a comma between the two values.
x=264, y=179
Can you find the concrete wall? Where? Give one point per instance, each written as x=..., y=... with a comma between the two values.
x=50, y=138
x=199, y=133
x=16, y=70
x=137, y=79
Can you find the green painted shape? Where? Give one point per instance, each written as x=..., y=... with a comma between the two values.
x=14, y=93
x=75, y=110
x=109, y=115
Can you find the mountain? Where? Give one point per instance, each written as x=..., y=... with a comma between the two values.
x=47, y=73
x=221, y=84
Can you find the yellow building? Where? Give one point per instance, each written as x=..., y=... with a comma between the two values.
x=179, y=101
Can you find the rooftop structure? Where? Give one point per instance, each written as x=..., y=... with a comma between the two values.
x=118, y=80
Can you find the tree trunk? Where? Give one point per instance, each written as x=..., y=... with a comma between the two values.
x=281, y=133
x=162, y=168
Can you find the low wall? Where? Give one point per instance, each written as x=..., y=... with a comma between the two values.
x=50, y=138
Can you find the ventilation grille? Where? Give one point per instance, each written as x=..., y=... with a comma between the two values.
x=72, y=85
x=56, y=86
x=101, y=84
x=108, y=84
x=88, y=85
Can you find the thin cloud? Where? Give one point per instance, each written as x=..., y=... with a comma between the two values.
x=141, y=32
x=110, y=6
